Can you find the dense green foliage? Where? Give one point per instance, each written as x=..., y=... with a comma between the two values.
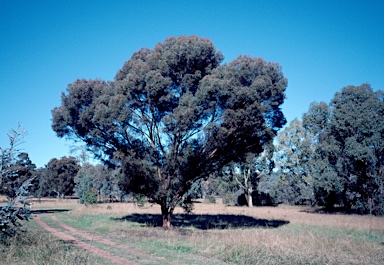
x=87, y=184
x=95, y=183
x=247, y=174
x=335, y=157
x=58, y=176
x=349, y=158
x=174, y=115
x=294, y=149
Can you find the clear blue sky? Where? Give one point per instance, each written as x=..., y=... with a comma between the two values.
x=45, y=45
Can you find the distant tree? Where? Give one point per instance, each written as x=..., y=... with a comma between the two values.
x=93, y=179
x=22, y=169
x=328, y=187
x=38, y=188
x=222, y=185
x=246, y=177
x=103, y=183
x=294, y=149
x=116, y=186
x=59, y=175
x=110, y=189
x=349, y=158
x=247, y=174
x=173, y=116
x=85, y=186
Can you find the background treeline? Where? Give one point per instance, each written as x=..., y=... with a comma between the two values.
x=335, y=155
x=70, y=177
x=332, y=157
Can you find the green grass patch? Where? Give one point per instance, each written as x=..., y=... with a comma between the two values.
x=103, y=223
x=171, y=247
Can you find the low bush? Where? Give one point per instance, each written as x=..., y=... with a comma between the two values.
x=188, y=205
x=140, y=200
x=90, y=197
x=210, y=199
x=228, y=199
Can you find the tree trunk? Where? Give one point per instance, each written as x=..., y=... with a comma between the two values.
x=250, y=202
x=248, y=195
x=347, y=204
x=167, y=216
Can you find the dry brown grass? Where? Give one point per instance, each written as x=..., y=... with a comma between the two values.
x=292, y=214
x=264, y=246
x=49, y=203
x=308, y=238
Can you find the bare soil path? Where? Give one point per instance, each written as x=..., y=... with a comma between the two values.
x=120, y=253
x=102, y=240
x=72, y=237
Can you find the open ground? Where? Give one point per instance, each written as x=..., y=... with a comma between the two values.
x=65, y=232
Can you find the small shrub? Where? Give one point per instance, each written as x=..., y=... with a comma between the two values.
x=210, y=199
x=228, y=199
x=90, y=197
x=140, y=200
x=188, y=205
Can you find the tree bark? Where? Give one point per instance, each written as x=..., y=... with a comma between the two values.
x=167, y=216
x=248, y=195
x=250, y=202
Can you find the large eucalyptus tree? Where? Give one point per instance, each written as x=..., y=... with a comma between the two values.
x=174, y=114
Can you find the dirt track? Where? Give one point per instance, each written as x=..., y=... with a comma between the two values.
x=72, y=237
x=122, y=254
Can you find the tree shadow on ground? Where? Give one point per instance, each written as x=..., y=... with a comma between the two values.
x=205, y=221
x=49, y=211
x=335, y=210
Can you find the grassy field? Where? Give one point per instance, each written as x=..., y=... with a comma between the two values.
x=214, y=234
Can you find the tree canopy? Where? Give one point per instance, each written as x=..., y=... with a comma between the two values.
x=59, y=176
x=175, y=114
x=349, y=158
x=94, y=182
x=294, y=149
x=20, y=170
